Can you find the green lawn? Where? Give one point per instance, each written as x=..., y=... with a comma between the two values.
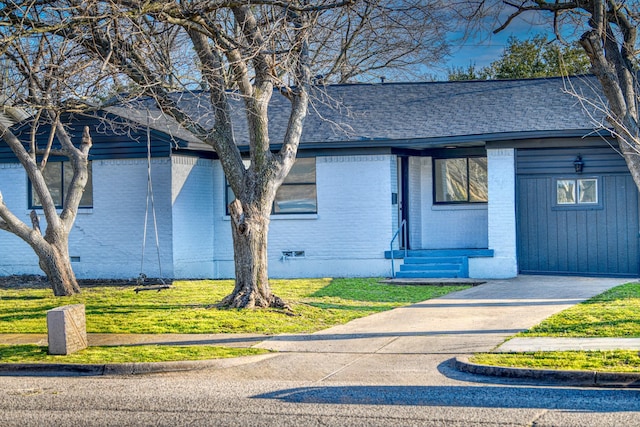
x=189, y=307
x=603, y=361
x=614, y=313
x=122, y=354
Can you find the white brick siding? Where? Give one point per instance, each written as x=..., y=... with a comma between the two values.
x=442, y=226
x=417, y=181
x=108, y=237
x=16, y=257
x=502, y=218
x=394, y=179
x=193, y=225
x=347, y=237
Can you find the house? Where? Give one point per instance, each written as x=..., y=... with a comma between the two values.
x=489, y=178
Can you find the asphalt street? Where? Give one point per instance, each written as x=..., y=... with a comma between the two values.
x=423, y=392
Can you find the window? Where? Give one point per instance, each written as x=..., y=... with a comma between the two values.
x=58, y=176
x=572, y=192
x=461, y=180
x=297, y=194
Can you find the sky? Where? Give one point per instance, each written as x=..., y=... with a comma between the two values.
x=486, y=47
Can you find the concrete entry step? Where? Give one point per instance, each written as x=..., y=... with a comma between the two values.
x=428, y=274
x=434, y=266
x=436, y=263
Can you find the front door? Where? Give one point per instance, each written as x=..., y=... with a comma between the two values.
x=403, y=200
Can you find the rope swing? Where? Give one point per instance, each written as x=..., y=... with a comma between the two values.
x=143, y=284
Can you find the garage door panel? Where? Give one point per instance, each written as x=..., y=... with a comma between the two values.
x=591, y=239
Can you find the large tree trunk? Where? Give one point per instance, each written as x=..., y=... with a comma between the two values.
x=52, y=249
x=55, y=263
x=613, y=66
x=250, y=229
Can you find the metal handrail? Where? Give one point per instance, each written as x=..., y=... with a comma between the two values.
x=403, y=228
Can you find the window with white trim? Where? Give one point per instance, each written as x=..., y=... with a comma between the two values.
x=573, y=192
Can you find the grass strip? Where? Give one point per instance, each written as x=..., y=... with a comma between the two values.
x=603, y=361
x=614, y=313
x=122, y=354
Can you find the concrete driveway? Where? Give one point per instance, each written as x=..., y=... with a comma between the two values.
x=477, y=319
x=409, y=345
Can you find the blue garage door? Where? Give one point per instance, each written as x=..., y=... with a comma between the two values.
x=582, y=224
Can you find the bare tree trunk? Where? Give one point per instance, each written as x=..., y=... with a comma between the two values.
x=52, y=248
x=56, y=264
x=250, y=229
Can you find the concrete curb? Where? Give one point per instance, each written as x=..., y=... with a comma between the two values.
x=564, y=377
x=69, y=369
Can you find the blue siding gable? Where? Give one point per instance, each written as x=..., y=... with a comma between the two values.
x=113, y=137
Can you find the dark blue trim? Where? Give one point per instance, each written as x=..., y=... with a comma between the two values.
x=130, y=141
x=443, y=141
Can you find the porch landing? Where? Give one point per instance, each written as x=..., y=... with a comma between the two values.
x=436, y=263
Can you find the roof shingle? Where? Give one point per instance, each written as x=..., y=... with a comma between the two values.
x=377, y=114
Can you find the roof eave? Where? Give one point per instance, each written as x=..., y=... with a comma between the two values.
x=453, y=140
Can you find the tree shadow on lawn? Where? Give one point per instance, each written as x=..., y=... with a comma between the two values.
x=25, y=314
x=22, y=351
x=23, y=297
x=626, y=292
x=593, y=329
x=107, y=309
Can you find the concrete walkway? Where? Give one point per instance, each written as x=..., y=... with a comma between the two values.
x=475, y=320
x=225, y=340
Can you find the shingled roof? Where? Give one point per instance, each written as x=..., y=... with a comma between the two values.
x=455, y=111
x=401, y=115
x=416, y=115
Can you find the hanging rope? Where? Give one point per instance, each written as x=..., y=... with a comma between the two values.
x=150, y=201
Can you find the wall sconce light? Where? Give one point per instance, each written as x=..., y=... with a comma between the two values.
x=578, y=164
